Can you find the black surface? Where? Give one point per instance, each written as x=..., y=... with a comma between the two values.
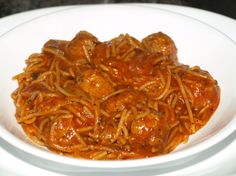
x=224, y=7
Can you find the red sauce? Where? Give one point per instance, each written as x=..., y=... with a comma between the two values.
x=120, y=99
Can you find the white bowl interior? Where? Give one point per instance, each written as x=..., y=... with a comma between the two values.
x=197, y=43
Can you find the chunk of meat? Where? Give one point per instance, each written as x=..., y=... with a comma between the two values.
x=85, y=115
x=205, y=91
x=160, y=43
x=95, y=84
x=100, y=53
x=148, y=130
x=205, y=95
x=56, y=44
x=140, y=64
x=123, y=100
x=81, y=46
x=61, y=134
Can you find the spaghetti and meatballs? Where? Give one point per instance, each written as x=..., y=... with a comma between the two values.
x=119, y=99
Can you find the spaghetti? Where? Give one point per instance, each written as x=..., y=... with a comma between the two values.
x=120, y=99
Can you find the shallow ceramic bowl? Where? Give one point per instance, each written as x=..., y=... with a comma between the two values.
x=197, y=43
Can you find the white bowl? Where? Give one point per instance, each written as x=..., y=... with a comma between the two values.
x=197, y=43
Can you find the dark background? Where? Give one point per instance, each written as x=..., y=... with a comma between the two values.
x=224, y=7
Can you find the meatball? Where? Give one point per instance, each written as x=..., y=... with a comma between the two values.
x=95, y=84
x=160, y=43
x=81, y=46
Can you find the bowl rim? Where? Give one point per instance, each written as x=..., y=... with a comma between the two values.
x=118, y=164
